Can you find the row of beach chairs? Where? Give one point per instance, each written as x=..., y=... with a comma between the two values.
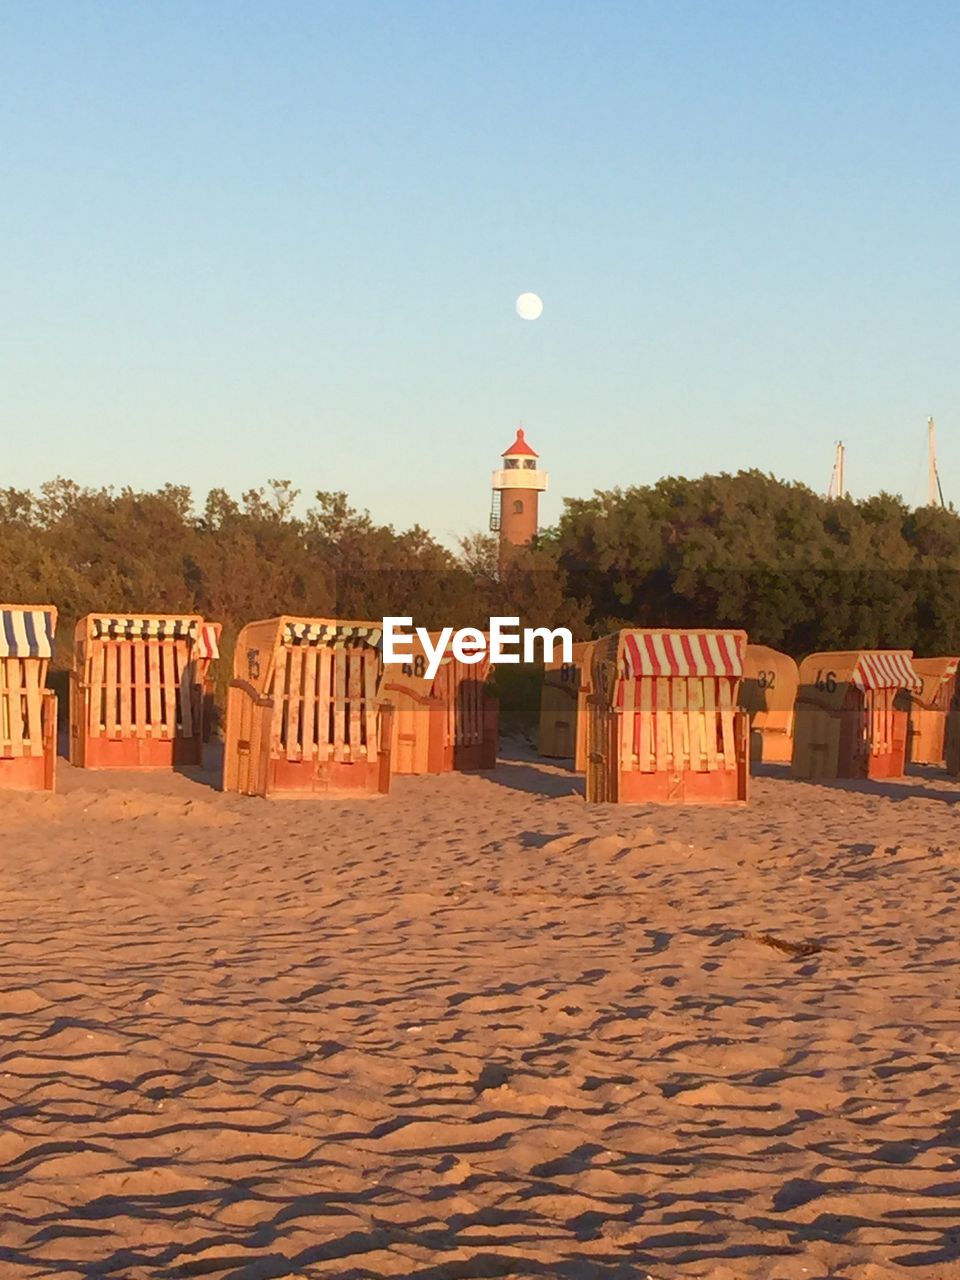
x=664, y=716
x=684, y=713
x=311, y=707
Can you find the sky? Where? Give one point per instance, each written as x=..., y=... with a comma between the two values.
x=242, y=241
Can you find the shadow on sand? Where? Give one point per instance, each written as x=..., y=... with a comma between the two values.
x=208, y=776
x=910, y=787
x=519, y=768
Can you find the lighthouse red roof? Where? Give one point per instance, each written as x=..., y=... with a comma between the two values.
x=520, y=446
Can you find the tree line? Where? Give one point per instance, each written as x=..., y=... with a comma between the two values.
x=796, y=570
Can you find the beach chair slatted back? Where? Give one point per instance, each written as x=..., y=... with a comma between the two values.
x=462, y=688
x=325, y=697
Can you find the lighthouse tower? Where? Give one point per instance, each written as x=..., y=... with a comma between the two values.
x=516, y=496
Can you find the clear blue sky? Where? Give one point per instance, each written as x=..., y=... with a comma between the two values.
x=241, y=240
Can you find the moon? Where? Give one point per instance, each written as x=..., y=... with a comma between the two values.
x=529, y=306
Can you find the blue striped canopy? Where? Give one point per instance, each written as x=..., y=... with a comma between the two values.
x=332, y=633
x=156, y=628
x=26, y=633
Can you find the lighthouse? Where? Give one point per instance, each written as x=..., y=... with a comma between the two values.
x=517, y=486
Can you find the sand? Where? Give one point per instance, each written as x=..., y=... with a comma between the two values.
x=478, y=1029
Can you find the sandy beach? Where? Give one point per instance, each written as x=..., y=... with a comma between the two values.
x=478, y=1029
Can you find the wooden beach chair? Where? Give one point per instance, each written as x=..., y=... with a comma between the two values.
x=663, y=721
x=28, y=710
x=139, y=690
x=768, y=693
x=449, y=723
x=930, y=710
x=563, y=719
x=852, y=713
x=305, y=714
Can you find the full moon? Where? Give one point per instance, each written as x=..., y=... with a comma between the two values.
x=529, y=306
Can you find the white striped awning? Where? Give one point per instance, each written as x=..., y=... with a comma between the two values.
x=108, y=628
x=886, y=669
x=683, y=653
x=334, y=634
x=26, y=633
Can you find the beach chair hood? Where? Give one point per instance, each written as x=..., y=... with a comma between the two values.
x=27, y=631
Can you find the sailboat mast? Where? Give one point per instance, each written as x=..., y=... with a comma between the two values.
x=934, y=491
x=836, y=489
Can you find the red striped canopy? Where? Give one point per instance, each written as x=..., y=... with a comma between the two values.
x=683, y=653
x=886, y=669
x=207, y=642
